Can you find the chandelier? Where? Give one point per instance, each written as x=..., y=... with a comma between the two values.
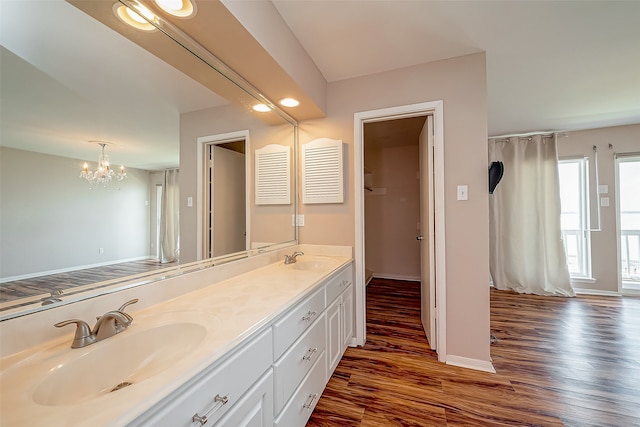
x=104, y=174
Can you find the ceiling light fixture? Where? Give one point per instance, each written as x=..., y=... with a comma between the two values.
x=179, y=8
x=104, y=174
x=135, y=17
x=262, y=108
x=289, y=102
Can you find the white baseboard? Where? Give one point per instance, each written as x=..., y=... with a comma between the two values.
x=582, y=291
x=396, y=277
x=465, y=362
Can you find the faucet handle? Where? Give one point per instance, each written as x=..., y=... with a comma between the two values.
x=83, y=336
x=127, y=304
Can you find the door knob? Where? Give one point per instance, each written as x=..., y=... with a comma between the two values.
x=419, y=238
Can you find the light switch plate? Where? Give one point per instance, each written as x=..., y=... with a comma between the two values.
x=463, y=192
x=604, y=202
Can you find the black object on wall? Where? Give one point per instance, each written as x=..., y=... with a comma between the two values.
x=496, y=170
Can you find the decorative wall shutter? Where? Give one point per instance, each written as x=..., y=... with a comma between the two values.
x=322, y=171
x=273, y=175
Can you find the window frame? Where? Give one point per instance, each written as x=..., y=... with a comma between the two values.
x=623, y=285
x=584, y=233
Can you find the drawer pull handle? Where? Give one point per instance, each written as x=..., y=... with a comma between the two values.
x=309, y=354
x=309, y=316
x=310, y=400
x=344, y=283
x=203, y=419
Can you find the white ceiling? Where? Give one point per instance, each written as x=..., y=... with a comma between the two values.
x=67, y=79
x=551, y=65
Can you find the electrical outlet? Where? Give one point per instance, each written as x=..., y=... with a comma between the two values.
x=298, y=220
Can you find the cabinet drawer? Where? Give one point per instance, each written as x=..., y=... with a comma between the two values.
x=289, y=328
x=338, y=284
x=297, y=361
x=211, y=394
x=298, y=410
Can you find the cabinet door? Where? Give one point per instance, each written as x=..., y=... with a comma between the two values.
x=347, y=317
x=334, y=335
x=255, y=409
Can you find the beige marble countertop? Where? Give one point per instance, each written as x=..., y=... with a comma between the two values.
x=232, y=310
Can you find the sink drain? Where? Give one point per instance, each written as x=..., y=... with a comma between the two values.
x=121, y=386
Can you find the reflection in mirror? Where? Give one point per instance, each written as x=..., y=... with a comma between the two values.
x=70, y=76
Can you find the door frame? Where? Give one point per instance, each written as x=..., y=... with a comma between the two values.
x=436, y=109
x=221, y=139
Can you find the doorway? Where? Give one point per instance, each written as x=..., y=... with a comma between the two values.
x=223, y=189
x=628, y=210
x=436, y=219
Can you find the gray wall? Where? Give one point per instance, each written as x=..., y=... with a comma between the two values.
x=50, y=220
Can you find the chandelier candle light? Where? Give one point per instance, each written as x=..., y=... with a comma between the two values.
x=104, y=174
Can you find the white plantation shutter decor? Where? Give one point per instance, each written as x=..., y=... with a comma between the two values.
x=273, y=175
x=322, y=171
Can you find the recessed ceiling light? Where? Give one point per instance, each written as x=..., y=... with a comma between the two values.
x=262, y=108
x=289, y=102
x=135, y=17
x=179, y=8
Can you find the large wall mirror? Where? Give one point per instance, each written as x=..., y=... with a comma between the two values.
x=76, y=80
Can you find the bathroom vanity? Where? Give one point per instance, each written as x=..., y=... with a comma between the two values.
x=253, y=349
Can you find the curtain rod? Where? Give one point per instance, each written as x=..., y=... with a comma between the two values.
x=546, y=134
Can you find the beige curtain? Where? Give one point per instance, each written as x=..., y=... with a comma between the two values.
x=526, y=250
x=170, y=218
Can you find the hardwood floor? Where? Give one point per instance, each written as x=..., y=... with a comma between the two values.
x=559, y=361
x=35, y=286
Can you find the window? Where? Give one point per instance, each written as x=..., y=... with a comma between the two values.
x=628, y=168
x=574, y=198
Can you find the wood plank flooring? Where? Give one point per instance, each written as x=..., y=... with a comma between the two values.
x=559, y=361
x=35, y=286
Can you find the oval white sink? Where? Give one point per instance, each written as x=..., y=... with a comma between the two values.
x=315, y=263
x=117, y=362
x=151, y=346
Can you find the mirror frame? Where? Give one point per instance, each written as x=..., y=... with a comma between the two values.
x=29, y=305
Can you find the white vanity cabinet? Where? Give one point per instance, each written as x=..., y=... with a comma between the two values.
x=301, y=373
x=339, y=317
x=209, y=395
x=274, y=378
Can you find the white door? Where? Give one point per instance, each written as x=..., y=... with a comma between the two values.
x=427, y=236
x=228, y=214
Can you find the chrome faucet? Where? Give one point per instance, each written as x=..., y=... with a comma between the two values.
x=109, y=324
x=290, y=259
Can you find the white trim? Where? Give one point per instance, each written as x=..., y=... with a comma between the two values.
x=584, y=291
x=435, y=108
x=621, y=157
x=221, y=139
x=584, y=280
x=396, y=277
x=477, y=364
